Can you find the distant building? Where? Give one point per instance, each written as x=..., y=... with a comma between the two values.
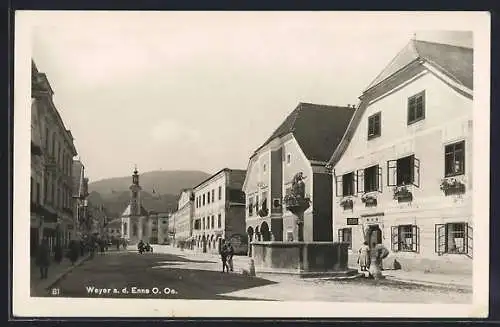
x=136, y=224
x=219, y=211
x=52, y=156
x=403, y=172
x=113, y=229
x=182, y=219
x=164, y=237
x=303, y=143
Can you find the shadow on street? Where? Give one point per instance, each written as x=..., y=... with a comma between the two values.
x=128, y=270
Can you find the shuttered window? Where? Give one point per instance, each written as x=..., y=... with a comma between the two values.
x=405, y=238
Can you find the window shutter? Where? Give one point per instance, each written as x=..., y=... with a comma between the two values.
x=440, y=239
x=391, y=172
x=469, y=240
x=338, y=182
x=415, y=238
x=379, y=186
x=416, y=172
x=339, y=236
x=394, y=239
x=360, y=181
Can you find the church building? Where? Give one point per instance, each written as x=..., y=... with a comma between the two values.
x=136, y=224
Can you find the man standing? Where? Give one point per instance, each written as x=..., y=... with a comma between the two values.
x=223, y=251
x=230, y=253
x=43, y=258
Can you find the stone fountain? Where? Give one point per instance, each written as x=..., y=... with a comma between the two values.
x=306, y=259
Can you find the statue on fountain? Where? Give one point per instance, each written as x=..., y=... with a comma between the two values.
x=296, y=200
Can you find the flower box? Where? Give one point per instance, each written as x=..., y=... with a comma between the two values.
x=369, y=199
x=452, y=186
x=347, y=203
x=402, y=194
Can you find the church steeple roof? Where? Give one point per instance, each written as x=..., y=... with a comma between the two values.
x=135, y=176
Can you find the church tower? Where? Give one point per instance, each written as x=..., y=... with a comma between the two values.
x=135, y=195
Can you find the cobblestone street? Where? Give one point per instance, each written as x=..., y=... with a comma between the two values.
x=197, y=276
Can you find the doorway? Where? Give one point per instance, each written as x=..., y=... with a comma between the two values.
x=374, y=235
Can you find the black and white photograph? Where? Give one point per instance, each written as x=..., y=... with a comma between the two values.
x=251, y=164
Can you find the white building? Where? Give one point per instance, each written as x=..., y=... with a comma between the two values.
x=403, y=173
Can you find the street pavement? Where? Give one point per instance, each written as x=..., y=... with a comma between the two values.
x=176, y=274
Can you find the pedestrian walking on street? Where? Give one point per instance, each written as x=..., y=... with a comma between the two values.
x=364, y=256
x=230, y=253
x=223, y=255
x=43, y=258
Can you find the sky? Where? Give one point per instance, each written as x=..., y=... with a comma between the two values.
x=202, y=90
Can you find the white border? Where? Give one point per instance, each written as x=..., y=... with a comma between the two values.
x=24, y=306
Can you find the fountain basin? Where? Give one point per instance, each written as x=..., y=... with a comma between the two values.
x=306, y=259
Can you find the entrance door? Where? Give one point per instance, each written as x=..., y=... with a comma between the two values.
x=374, y=235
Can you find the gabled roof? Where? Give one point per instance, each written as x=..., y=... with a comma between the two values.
x=317, y=128
x=454, y=61
x=127, y=212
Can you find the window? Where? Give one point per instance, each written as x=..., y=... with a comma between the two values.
x=250, y=206
x=276, y=203
x=288, y=158
x=416, y=108
x=374, y=125
x=454, y=238
x=264, y=167
x=369, y=179
x=197, y=224
x=219, y=221
x=213, y=195
x=213, y=221
x=32, y=192
x=203, y=222
x=37, y=196
x=220, y=192
x=208, y=197
x=403, y=171
x=203, y=199
x=257, y=203
x=345, y=236
x=404, y=238
x=264, y=200
x=289, y=236
x=454, y=159
x=47, y=136
x=348, y=184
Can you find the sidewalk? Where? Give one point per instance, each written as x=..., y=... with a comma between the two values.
x=56, y=271
x=458, y=281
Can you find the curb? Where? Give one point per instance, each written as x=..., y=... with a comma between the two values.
x=67, y=271
x=466, y=288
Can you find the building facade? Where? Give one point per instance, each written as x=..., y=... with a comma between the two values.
x=52, y=180
x=164, y=235
x=182, y=219
x=302, y=144
x=219, y=212
x=403, y=173
x=80, y=203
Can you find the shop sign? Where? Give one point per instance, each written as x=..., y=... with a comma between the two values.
x=352, y=221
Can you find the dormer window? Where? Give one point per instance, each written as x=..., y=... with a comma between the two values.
x=416, y=108
x=374, y=125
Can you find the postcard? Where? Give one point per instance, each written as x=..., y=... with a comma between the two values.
x=251, y=164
